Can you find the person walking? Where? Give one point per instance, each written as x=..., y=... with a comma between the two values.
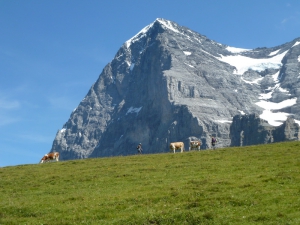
x=139, y=148
x=213, y=142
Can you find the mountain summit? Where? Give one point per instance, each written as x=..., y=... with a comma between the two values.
x=168, y=83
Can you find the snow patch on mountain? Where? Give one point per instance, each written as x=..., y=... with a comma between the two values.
x=224, y=121
x=244, y=63
x=256, y=81
x=297, y=43
x=275, y=77
x=63, y=130
x=189, y=65
x=237, y=50
x=187, y=53
x=173, y=27
x=270, y=90
x=275, y=118
x=139, y=35
x=274, y=52
x=168, y=25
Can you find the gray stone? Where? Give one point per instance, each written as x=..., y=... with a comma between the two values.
x=251, y=130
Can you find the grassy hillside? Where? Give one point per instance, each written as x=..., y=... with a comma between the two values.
x=248, y=185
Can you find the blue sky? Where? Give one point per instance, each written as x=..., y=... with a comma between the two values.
x=52, y=51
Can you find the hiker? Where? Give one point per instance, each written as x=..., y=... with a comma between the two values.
x=213, y=142
x=139, y=148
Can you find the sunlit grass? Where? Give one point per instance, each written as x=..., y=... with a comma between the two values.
x=249, y=185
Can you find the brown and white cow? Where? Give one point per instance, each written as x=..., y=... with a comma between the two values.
x=176, y=145
x=195, y=145
x=50, y=156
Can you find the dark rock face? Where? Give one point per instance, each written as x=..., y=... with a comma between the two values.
x=288, y=131
x=169, y=83
x=251, y=130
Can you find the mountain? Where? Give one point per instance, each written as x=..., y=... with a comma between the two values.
x=169, y=83
x=252, y=130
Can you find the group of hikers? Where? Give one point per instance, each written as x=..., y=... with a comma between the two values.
x=213, y=145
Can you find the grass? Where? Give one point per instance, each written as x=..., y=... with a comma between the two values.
x=247, y=185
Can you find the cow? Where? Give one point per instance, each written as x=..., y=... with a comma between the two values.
x=50, y=156
x=176, y=145
x=195, y=145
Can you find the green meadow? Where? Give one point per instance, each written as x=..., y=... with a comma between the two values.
x=241, y=185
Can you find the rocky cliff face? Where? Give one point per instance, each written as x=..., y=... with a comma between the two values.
x=169, y=83
x=288, y=131
x=252, y=130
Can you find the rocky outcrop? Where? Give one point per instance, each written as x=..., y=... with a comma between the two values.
x=251, y=130
x=288, y=131
x=169, y=83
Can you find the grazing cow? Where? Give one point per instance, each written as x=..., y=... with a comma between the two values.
x=177, y=145
x=50, y=156
x=195, y=145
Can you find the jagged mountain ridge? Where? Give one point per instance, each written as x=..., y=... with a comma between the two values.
x=169, y=83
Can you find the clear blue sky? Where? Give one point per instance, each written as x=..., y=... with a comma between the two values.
x=52, y=51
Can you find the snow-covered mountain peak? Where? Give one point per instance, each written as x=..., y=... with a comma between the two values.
x=255, y=67
x=172, y=28
x=142, y=33
x=168, y=25
x=139, y=35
